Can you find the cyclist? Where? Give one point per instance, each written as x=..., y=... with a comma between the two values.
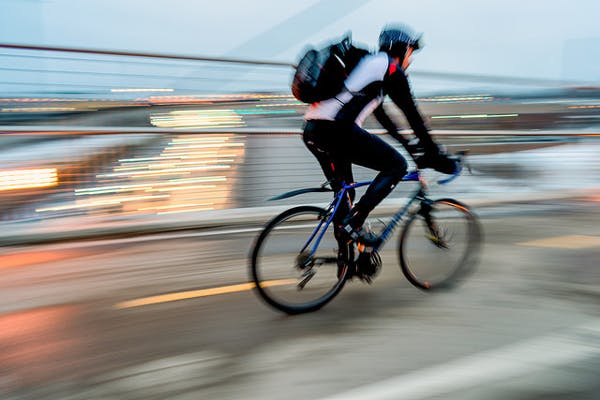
x=334, y=135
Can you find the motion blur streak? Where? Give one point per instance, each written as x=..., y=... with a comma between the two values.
x=190, y=294
x=103, y=202
x=35, y=258
x=197, y=119
x=566, y=242
x=474, y=116
x=28, y=178
x=38, y=109
x=127, y=90
x=48, y=323
x=180, y=207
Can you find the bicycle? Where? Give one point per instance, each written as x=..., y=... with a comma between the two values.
x=300, y=242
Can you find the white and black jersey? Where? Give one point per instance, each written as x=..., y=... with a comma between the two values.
x=364, y=90
x=332, y=132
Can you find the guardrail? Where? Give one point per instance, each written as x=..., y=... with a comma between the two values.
x=16, y=46
x=427, y=74
x=98, y=172
x=53, y=72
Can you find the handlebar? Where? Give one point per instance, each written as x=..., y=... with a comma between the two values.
x=460, y=158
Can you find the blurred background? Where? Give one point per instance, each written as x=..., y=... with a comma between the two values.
x=139, y=145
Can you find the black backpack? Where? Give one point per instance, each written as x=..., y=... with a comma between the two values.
x=320, y=74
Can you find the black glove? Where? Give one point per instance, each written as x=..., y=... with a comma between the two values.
x=438, y=160
x=444, y=164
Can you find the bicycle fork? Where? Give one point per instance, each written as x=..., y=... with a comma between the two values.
x=435, y=235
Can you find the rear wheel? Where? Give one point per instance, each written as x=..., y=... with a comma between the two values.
x=289, y=273
x=439, y=244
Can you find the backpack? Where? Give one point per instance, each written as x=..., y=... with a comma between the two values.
x=320, y=73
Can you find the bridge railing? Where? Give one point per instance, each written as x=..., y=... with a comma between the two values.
x=66, y=72
x=50, y=173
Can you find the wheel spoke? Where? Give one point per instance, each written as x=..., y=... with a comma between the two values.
x=447, y=248
x=285, y=240
x=306, y=276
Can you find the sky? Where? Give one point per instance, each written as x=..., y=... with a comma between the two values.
x=549, y=39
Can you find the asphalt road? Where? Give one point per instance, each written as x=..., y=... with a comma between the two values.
x=526, y=325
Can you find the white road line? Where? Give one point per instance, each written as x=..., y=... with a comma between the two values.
x=503, y=363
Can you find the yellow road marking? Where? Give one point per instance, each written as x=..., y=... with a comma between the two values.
x=565, y=242
x=191, y=294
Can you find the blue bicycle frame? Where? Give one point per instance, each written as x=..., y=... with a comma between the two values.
x=412, y=176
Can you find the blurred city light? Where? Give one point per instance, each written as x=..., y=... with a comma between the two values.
x=28, y=178
x=191, y=173
x=197, y=119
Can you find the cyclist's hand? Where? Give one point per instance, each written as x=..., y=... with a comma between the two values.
x=445, y=164
x=438, y=160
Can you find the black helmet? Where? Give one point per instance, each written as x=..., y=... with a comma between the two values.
x=396, y=39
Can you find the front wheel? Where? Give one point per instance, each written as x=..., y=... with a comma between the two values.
x=439, y=244
x=292, y=270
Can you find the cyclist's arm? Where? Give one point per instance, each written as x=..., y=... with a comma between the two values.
x=389, y=125
x=399, y=91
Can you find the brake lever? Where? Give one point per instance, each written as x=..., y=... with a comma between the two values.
x=460, y=157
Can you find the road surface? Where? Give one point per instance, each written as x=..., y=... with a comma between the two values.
x=526, y=325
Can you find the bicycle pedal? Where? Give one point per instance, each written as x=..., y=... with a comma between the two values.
x=306, y=276
x=303, y=260
x=368, y=266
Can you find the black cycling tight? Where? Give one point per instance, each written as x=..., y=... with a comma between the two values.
x=338, y=145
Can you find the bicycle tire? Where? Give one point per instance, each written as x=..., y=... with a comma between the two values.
x=455, y=221
x=273, y=253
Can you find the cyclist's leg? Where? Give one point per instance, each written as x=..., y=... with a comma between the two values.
x=321, y=139
x=315, y=139
x=370, y=151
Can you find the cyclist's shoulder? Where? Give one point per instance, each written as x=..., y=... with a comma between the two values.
x=372, y=66
x=377, y=60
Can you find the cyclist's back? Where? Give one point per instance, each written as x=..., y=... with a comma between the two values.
x=362, y=88
x=333, y=130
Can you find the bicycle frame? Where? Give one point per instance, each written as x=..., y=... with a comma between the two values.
x=349, y=258
x=320, y=230
x=412, y=176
